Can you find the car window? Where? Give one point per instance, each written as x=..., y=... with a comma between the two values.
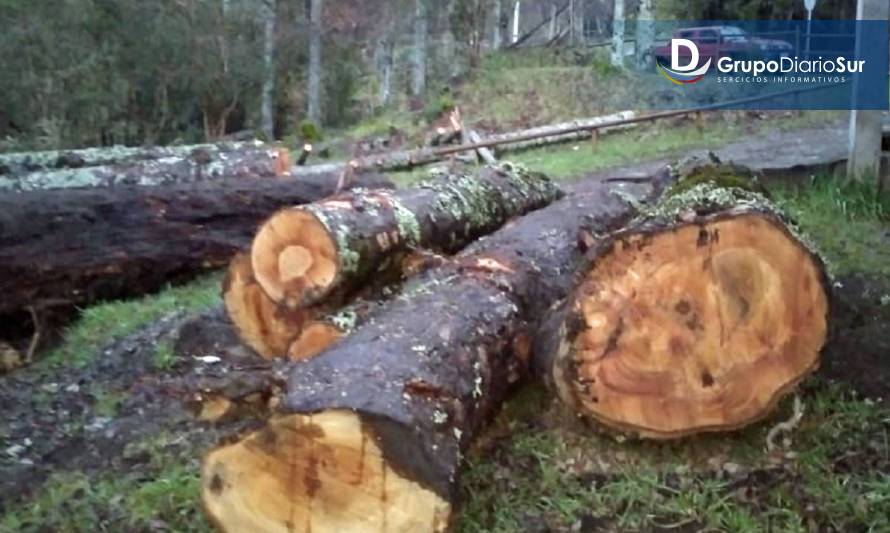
x=686, y=34
x=707, y=36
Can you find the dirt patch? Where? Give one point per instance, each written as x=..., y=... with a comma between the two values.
x=858, y=353
x=86, y=419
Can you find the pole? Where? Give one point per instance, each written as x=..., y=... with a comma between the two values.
x=809, y=26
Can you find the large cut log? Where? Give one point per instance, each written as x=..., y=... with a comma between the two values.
x=698, y=317
x=74, y=247
x=198, y=165
x=370, y=434
x=24, y=162
x=303, y=254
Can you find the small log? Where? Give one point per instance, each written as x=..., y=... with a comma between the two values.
x=370, y=434
x=484, y=153
x=698, y=317
x=263, y=325
x=72, y=247
x=512, y=141
x=575, y=130
x=304, y=155
x=16, y=164
x=198, y=165
x=303, y=254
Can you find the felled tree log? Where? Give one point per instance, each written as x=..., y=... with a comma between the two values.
x=302, y=255
x=371, y=433
x=197, y=165
x=503, y=142
x=24, y=162
x=74, y=247
x=698, y=317
x=262, y=324
x=574, y=130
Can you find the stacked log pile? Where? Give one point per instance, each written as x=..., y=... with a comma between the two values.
x=657, y=307
x=307, y=261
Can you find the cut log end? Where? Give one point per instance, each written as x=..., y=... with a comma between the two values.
x=294, y=257
x=262, y=324
x=321, y=472
x=701, y=327
x=283, y=162
x=315, y=337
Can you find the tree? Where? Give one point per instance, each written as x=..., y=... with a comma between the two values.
x=269, y=14
x=313, y=87
x=618, y=34
x=645, y=34
x=418, y=70
x=468, y=22
x=496, y=35
x=517, y=12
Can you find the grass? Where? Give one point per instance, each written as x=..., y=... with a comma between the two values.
x=159, y=495
x=849, y=222
x=99, y=324
x=551, y=478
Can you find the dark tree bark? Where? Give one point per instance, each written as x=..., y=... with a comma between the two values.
x=75, y=247
x=198, y=165
x=698, y=317
x=304, y=255
x=371, y=432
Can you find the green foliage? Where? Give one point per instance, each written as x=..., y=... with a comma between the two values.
x=164, y=358
x=602, y=66
x=309, y=131
x=440, y=105
x=750, y=9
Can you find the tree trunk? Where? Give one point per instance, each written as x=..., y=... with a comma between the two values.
x=496, y=38
x=267, y=123
x=371, y=433
x=517, y=11
x=645, y=35
x=618, y=34
x=322, y=330
x=698, y=317
x=418, y=68
x=199, y=165
x=313, y=86
x=19, y=163
x=551, y=32
x=384, y=60
x=551, y=134
x=302, y=255
x=76, y=247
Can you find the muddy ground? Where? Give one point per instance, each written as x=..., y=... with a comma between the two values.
x=94, y=419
